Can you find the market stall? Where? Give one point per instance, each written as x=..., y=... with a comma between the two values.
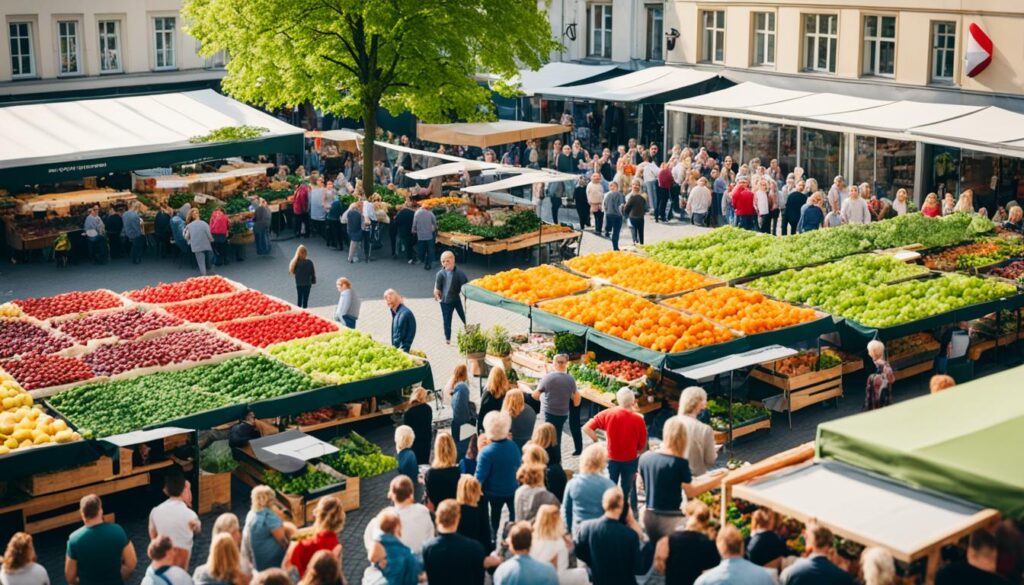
x=486, y=134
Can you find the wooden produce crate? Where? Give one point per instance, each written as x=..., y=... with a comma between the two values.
x=743, y=429
x=800, y=382
x=529, y=361
x=803, y=390
x=599, y=398
x=96, y=471
x=975, y=351
x=913, y=370
x=299, y=507
x=489, y=247
x=214, y=492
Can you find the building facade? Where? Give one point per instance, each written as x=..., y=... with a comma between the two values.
x=66, y=48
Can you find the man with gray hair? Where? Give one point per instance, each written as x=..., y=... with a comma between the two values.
x=559, y=398
x=627, y=438
x=701, y=450
x=448, y=283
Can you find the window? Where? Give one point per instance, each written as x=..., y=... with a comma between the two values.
x=764, y=39
x=821, y=36
x=214, y=61
x=600, y=31
x=713, y=36
x=67, y=38
x=655, y=32
x=943, y=51
x=23, y=62
x=163, y=49
x=880, y=45
x=110, y=46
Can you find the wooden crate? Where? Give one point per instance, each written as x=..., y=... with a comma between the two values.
x=802, y=381
x=298, y=507
x=528, y=361
x=814, y=394
x=96, y=471
x=214, y=492
x=722, y=437
x=487, y=248
x=977, y=349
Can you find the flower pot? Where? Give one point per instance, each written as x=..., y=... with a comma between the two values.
x=214, y=492
x=504, y=360
x=475, y=363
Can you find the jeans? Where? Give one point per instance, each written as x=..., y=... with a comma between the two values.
x=698, y=218
x=765, y=223
x=425, y=251
x=220, y=249
x=599, y=222
x=98, y=249
x=773, y=217
x=353, y=250
x=494, y=504
x=303, y=295
x=559, y=421
x=747, y=222
x=446, y=316
x=262, y=235
x=613, y=223
x=716, y=210
x=138, y=247
x=638, y=229
x=367, y=243
x=674, y=199
x=624, y=473
x=661, y=204
x=202, y=259
x=575, y=429
x=556, y=204
x=651, y=188
x=349, y=321
x=302, y=221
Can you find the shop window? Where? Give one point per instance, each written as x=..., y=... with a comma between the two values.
x=600, y=38
x=821, y=154
x=880, y=45
x=721, y=136
x=787, y=149
x=979, y=172
x=23, y=63
x=887, y=165
x=713, y=36
x=943, y=51
x=69, y=48
x=655, y=32
x=163, y=47
x=764, y=39
x=110, y=46
x=821, y=38
x=760, y=140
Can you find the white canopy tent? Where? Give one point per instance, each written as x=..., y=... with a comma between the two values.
x=633, y=87
x=527, y=177
x=452, y=168
x=558, y=74
x=739, y=97
x=486, y=134
x=898, y=116
x=816, y=104
x=990, y=125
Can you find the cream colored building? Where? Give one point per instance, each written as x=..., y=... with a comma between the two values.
x=83, y=47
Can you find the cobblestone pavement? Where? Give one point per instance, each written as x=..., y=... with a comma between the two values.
x=370, y=281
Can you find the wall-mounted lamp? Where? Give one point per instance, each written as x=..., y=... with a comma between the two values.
x=670, y=39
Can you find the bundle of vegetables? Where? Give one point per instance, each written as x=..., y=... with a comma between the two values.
x=217, y=458
x=357, y=457
x=388, y=196
x=236, y=204
x=312, y=480
x=238, y=228
x=274, y=194
x=590, y=376
x=742, y=412
x=176, y=200
x=518, y=223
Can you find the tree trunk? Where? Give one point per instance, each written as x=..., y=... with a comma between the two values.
x=369, y=135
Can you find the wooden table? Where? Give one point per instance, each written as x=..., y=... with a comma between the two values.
x=600, y=399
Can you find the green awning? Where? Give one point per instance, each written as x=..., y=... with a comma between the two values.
x=964, y=442
x=475, y=293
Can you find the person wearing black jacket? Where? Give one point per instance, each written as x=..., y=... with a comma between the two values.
x=448, y=285
x=301, y=267
x=114, y=225
x=579, y=196
x=401, y=226
x=794, y=203
x=162, y=230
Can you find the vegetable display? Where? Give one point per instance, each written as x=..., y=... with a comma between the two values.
x=247, y=303
x=262, y=332
x=313, y=479
x=521, y=222
x=44, y=371
x=127, y=324
x=638, y=273
x=357, y=457
x=1012, y=271
x=341, y=357
x=747, y=311
x=22, y=337
x=68, y=303
x=804, y=363
x=587, y=374
x=638, y=320
x=192, y=288
x=246, y=379
x=217, y=458
x=742, y=413
x=532, y=285
x=173, y=348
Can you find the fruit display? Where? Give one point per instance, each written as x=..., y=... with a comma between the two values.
x=22, y=337
x=312, y=480
x=532, y=285
x=128, y=324
x=248, y=303
x=9, y=310
x=68, y=303
x=12, y=395
x=110, y=408
x=433, y=202
x=639, y=274
x=638, y=320
x=975, y=255
x=804, y=363
x=44, y=371
x=173, y=348
x=26, y=427
x=910, y=345
x=341, y=357
x=262, y=332
x=742, y=413
x=1012, y=271
x=737, y=257
x=743, y=310
x=245, y=379
x=192, y=288
x=623, y=369
x=357, y=457
x=818, y=285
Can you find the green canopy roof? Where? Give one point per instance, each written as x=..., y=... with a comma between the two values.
x=965, y=441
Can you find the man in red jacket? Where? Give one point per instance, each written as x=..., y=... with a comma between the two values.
x=743, y=203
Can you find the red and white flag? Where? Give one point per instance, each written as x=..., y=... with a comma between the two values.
x=979, y=50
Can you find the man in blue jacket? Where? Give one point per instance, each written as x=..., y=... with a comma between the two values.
x=403, y=323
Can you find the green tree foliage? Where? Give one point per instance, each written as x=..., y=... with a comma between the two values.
x=348, y=57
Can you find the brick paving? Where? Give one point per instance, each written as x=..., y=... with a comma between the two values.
x=370, y=280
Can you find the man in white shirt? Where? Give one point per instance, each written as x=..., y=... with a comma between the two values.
x=699, y=202
x=701, y=450
x=175, y=518
x=855, y=210
x=595, y=197
x=417, y=525
x=839, y=191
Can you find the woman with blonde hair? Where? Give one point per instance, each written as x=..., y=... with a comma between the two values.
x=227, y=523
x=545, y=437
x=19, y=563
x=407, y=464
x=663, y=473
x=965, y=204
x=473, y=521
x=328, y=524
x=419, y=416
x=901, y=205
x=931, y=206
x=551, y=544
x=524, y=418
x=877, y=566
x=301, y=267
x=492, y=400
x=265, y=535
x=223, y=565
x=531, y=493
x=812, y=214
x=582, y=500
x=458, y=388
x=442, y=479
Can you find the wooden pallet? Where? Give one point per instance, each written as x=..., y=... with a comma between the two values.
x=96, y=471
x=722, y=437
x=794, y=383
x=913, y=370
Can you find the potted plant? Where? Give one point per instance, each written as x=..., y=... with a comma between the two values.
x=473, y=344
x=215, y=466
x=500, y=346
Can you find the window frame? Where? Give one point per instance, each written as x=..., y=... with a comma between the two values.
x=655, y=45
x=874, y=69
x=933, y=50
x=830, y=38
x=605, y=10
x=30, y=36
x=763, y=44
x=157, y=52
x=102, y=37
x=63, y=25
x=712, y=33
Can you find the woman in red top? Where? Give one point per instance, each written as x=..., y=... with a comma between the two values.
x=330, y=519
x=219, y=229
x=931, y=207
x=300, y=209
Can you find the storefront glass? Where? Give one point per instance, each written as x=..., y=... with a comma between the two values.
x=821, y=154
x=887, y=165
x=942, y=170
x=675, y=133
x=787, y=148
x=721, y=136
x=979, y=172
x=760, y=140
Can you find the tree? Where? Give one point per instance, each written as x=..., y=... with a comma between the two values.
x=349, y=57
